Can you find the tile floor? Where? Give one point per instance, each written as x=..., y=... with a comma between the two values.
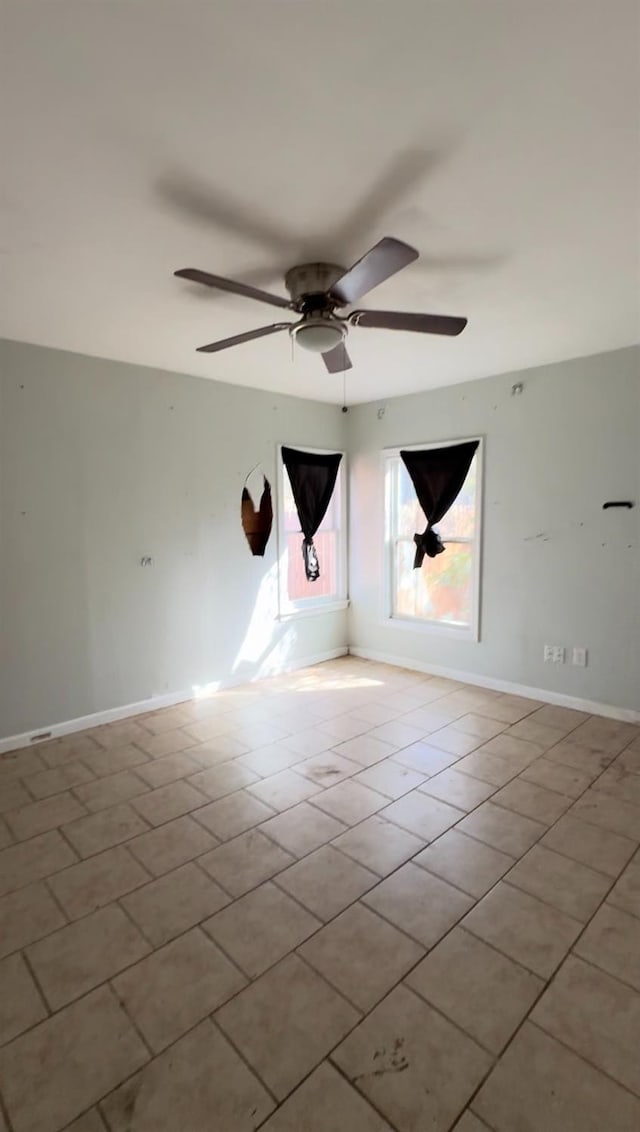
x=353, y=898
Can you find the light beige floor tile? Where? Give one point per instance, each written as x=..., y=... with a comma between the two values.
x=580, y=756
x=535, y=731
x=221, y=780
x=27, y=915
x=532, y=801
x=612, y=942
x=170, y=845
x=625, y=895
x=174, y=902
x=31, y=860
x=460, y=790
x=601, y=850
x=326, y=881
x=167, y=802
x=203, y=730
x=596, y=1016
x=261, y=928
x=120, y=733
x=517, y=751
x=488, y=768
x=502, y=829
x=73, y=960
x=269, y=1023
x=110, y=790
x=424, y=759
x=345, y=727
x=166, y=743
x=13, y=794
x=479, y=725
x=50, y=782
x=308, y=742
x=555, y=776
x=269, y=760
x=5, y=837
x=20, y=1003
x=566, y=719
x=608, y=813
x=218, y=750
x=283, y=790
x=416, y=1067
x=426, y=817
x=260, y=734
x=390, y=779
x=115, y=759
x=325, y=1102
x=245, y=862
x=302, y=828
x=328, y=768
x=619, y=783
x=454, y=740
x=378, y=845
x=91, y=884
x=38, y=817
x=350, y=802
x=100, y=831
x=398, y=733
x=540, y=1086
x=365, y=750
x=532, y=933
x=63, y=1066
x=464, y=862
x=177, y=986
x=178, y=1092
x=629, y=760
x=567, y=885
x=68, y=749
x=361, y=955
x=20, y=764
x=479, y=989
x=421, y=905
x=232, y=815
x=159, y=772
x=168, y=719
x=90, y=1121
x=470, y=1123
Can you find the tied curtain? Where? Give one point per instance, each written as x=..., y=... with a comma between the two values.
x=437, y=475
x=313, y=477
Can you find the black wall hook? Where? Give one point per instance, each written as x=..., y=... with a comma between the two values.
x=618, y=503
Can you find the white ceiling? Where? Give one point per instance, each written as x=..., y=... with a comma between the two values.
x=499, y=137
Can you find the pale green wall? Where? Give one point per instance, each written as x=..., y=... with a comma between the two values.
x=101, y=463
x=552, y=457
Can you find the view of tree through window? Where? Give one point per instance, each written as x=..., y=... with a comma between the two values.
x=442, y=589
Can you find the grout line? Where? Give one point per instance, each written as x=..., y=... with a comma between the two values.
x=32, y=972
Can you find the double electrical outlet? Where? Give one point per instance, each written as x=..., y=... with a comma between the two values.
x=555, y=654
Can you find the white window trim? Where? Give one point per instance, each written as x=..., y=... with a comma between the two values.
x=415, y=624
x=310, y=606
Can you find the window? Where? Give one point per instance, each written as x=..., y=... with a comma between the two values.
x=444, y=592
x=297, y=595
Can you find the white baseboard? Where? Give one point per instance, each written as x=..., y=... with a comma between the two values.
x=110, y=715
x=495, y=685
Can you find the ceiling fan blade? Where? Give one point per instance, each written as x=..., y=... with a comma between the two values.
x=222, y=284
x=337, y=360
x=237, y=339
x=380, y=263
x=402, y=320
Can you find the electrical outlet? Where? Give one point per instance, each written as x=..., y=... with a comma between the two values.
x=553, y=654
x=579, y=657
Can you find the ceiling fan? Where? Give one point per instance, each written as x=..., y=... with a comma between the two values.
x=317, y=289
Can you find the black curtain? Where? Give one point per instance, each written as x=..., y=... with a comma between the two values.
x=437, y=475
x=313, y=478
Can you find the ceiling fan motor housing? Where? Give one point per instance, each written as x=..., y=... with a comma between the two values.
x=312, y=281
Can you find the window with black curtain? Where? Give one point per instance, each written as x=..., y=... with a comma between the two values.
x=312, y=476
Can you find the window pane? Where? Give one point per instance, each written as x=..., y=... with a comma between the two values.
x=409, y=514
x=441, y=590
x=325, y=541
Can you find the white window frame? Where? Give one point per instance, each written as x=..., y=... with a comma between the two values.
x=310, y=606
x=422, y=624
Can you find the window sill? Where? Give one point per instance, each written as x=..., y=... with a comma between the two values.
x=432, y=628
x=314, y=611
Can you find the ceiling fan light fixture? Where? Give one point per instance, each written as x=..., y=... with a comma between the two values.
x=318, y=335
